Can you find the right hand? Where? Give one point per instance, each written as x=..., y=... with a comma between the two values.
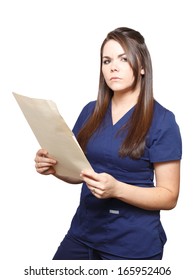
x=44, y=164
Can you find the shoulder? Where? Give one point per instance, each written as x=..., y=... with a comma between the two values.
x=162, y=115
x=163, y=124
x=87, y=110
x=89, y=107
x=164, y=138
x=160, y=110
x=84, y=115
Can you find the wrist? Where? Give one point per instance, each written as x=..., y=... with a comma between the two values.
x=118, y=192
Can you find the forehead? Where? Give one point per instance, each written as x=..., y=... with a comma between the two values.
x=112, y=47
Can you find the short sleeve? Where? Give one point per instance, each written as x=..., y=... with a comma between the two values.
x=165, y=139
x=83, y=117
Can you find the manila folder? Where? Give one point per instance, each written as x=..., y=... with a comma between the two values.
x=54, y=135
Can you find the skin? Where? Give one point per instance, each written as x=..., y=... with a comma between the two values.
x=119, y=77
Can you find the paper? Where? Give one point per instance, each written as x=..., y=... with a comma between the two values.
x=54, y=135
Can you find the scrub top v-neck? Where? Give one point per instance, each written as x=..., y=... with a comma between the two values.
x=111, y=225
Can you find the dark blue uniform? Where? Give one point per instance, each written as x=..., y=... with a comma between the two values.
x=110, y=225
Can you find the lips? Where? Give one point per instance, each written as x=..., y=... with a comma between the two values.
x=115, y=78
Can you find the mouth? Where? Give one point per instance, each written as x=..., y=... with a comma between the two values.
x=115, y=78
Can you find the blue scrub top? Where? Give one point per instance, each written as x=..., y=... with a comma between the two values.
x=111, y=225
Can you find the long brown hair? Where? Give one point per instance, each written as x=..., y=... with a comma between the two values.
x=138, y=125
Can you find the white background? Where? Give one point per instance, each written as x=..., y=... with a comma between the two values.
x=50, y=49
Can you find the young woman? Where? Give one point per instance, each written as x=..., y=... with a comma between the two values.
x=131, y=141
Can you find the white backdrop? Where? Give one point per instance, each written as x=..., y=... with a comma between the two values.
x=50, y=49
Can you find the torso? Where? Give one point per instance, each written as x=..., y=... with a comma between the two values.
x=111, y=225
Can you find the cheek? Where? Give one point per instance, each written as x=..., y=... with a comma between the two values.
x=105, y=74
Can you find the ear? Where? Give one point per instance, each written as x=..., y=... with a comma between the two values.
x=142, y=72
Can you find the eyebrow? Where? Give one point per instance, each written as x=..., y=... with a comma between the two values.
x=120, y=55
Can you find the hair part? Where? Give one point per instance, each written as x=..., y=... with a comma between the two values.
x=138, y=125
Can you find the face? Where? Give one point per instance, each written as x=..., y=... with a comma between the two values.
x=116, y=70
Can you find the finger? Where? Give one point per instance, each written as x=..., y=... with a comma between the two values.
x=46, y=170
x=45, y=160
x=42, y=169
x=96, y=192
x=45, y=165
x=92, y=189
x=90, y=182
x=42, y=152
x=90, y=174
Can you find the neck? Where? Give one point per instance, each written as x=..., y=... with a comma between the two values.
x=128, y=99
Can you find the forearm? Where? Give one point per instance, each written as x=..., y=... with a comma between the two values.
x=162, y=197
x=154, y=198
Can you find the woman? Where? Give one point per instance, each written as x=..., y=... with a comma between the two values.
x=128, y=138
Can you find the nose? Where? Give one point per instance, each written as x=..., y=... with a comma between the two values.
x=114, y=67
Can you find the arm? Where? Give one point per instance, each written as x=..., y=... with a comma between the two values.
x=162, y=197
x=44, y=164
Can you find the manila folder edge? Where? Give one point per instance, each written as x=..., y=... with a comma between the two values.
x=54, y=135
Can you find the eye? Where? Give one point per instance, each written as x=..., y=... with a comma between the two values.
x=124, y=59
x=106, y=61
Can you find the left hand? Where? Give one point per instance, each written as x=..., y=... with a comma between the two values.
x=102, y=185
